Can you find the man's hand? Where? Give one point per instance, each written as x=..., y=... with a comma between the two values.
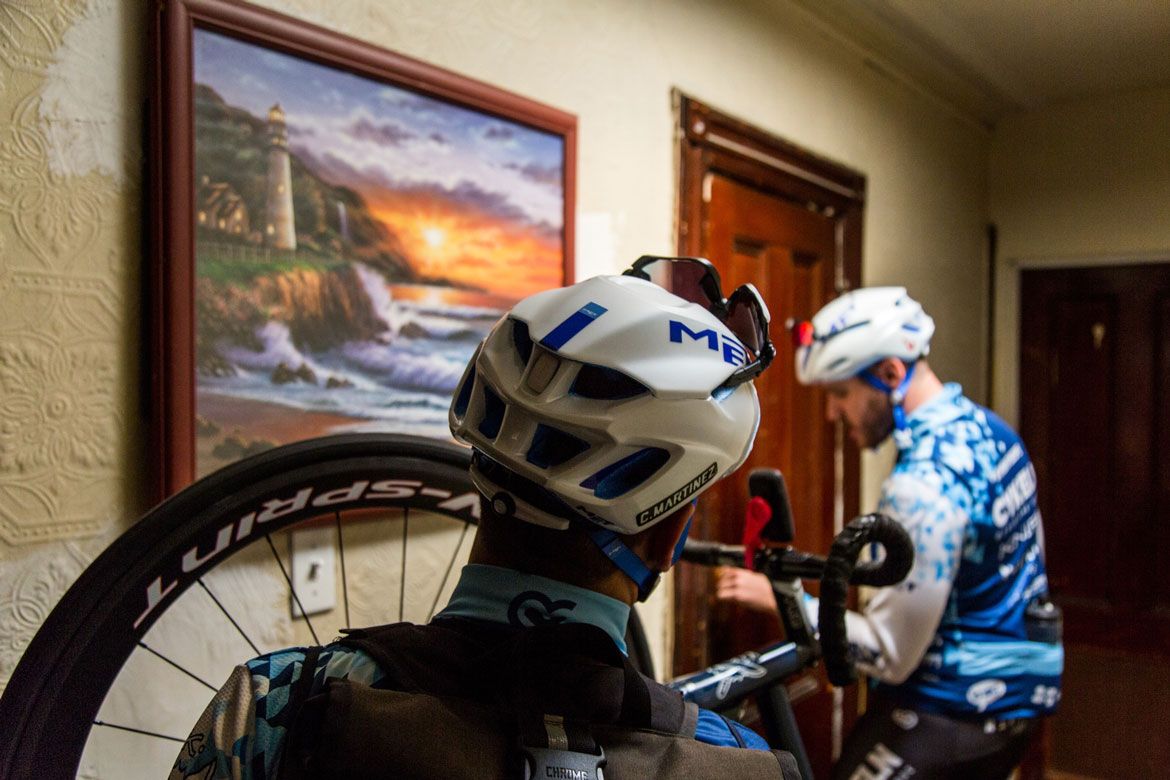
x=747, y=588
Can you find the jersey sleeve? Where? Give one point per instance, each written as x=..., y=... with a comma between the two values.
x=242, y=732
x=899, y=623
x=892, y=633
x=714, y=729
x=224, y=741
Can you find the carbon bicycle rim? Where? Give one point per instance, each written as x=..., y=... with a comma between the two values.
x=99, y=637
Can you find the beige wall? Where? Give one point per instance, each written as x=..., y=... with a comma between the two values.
x=71, y=91
x=1085, y=183
x=70, y=440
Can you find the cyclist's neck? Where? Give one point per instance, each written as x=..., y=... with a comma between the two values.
x=924, y=386
x=568, y=556
x=613, y=584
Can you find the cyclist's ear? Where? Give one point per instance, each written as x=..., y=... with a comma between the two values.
x=656, y=546
x=891, y=371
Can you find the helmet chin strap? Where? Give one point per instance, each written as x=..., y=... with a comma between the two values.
x=612, y=546
x=628, y=562
x=897, y=396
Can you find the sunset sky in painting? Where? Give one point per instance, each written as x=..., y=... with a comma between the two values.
x=471, y=197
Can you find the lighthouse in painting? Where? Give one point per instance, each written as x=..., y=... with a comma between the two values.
x=279, y=229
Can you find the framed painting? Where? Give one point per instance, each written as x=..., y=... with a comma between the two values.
x=334, y=228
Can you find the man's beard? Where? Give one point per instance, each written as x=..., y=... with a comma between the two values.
x=877, y=421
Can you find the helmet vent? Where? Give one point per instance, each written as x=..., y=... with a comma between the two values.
x=522, y=488
x=543, y=369
x=493, y=414
x=621, y=477
x=522, y=341
x=605, y=384
x=552, y=447
x=463, y=397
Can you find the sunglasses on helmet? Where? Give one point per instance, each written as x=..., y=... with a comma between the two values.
x=744, y=313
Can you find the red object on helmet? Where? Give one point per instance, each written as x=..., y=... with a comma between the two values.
x=803, y=334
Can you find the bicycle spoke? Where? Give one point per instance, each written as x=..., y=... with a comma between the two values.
x=291, y=589
x=341, y=554
x=402, y=579
x=190, y=674
x=447, y=574
x=139, y=731
x=226, y=614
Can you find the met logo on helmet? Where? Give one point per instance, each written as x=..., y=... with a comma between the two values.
x=732, y=351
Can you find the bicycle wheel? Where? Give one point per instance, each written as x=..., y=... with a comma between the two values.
x=125, y=663
x=145, y=607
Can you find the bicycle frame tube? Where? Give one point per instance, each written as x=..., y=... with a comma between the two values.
x=727, y=683
x=780, y=725
x=762, y=673
x=759, y=672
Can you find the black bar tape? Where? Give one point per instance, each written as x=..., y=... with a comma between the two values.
x=840, y=568
x=712, y=553
x=896, y=563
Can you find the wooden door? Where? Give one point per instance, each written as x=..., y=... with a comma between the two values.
x=1095, y=415
x=767, y=213
x=787, y=251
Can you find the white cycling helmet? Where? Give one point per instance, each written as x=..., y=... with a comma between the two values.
x=607, y=401
x=858, y=329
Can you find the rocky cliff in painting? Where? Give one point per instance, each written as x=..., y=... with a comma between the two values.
x=322, y=309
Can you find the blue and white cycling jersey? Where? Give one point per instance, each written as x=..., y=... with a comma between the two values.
x=951, y=638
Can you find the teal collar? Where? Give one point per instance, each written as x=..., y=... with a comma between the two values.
x=512, y=597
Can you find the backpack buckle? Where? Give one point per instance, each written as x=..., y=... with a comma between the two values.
x=552, y=764
x=548, y=753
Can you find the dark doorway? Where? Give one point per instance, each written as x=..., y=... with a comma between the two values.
x=1095, y=414
x=766, y=212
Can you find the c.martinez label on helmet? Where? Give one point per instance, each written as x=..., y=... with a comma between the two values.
x=677, y=497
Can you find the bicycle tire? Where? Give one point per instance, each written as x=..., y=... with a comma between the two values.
x=48, y=707
x=57, y=688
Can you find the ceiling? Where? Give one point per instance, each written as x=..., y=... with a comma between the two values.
x=990, y=58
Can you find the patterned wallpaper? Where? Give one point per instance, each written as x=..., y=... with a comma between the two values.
x=70, y=155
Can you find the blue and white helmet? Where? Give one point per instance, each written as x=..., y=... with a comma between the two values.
x=858, y=329
x=607, y=401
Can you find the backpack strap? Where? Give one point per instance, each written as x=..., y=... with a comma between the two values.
x=308, y=708
x=304, y=686
x=570, y=669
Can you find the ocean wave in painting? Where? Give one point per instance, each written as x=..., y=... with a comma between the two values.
x=400, y=380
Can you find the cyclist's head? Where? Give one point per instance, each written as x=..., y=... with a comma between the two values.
x=613, y=403
x=863, y=347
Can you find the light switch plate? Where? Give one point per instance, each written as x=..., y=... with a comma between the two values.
x=313, y=574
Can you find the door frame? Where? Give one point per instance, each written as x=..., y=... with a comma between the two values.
x=1004, y=350
x=709, y=142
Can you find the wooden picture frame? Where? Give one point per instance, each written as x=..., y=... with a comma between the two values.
x=229, y=193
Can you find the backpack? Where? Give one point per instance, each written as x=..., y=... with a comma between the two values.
x=468, y=699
